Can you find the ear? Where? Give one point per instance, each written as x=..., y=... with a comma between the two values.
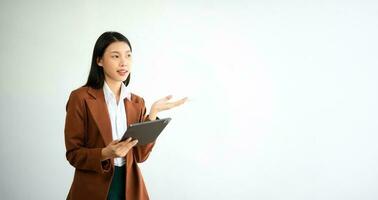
x=99, y=61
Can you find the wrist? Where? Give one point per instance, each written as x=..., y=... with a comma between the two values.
x=152, y=117
x=153, y=114
x=105, y=154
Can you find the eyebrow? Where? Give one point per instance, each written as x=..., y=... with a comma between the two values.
x=128, y=51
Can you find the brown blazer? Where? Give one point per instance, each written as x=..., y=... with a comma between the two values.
x=87, y=131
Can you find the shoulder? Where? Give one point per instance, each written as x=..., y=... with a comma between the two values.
x=137, y=99
x=78, y=96
x=80, y=92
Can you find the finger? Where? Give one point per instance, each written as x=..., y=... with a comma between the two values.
x=125, y=149
x=133, y=143
x=129, y=145
x=177, y=103
x=166, y=98
x=114, y=142
x=125, y=141
x=189, y=99
x=128, y=141
x=183, y=100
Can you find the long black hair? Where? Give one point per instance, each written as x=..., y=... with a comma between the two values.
x=96, y=76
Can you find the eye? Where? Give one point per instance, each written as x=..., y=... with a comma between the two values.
x=114, y=56
x=128, y=55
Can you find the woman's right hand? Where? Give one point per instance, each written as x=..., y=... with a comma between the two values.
x=117, y=149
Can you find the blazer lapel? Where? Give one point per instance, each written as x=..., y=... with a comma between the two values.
x=132, y=117
x=131, y=111
x=99, y=111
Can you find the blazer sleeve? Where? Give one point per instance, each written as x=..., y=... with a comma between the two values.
x=77, y=154
x=141, y=153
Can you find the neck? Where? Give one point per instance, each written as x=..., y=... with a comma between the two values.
x=115, y=86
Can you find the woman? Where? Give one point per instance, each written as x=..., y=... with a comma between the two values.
x=97, y=116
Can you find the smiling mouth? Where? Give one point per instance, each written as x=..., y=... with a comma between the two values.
x=122, y=72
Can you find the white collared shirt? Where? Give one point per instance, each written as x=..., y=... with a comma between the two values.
x=117, y=115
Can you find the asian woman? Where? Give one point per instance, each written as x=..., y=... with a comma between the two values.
x=97, y=115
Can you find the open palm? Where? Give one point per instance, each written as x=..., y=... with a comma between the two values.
x=164, y=103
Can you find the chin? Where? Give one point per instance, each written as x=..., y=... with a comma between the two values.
x=123, y=78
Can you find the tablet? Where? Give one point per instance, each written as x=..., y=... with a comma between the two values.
x=146, y=132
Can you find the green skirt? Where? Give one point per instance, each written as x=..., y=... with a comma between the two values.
x=118, y=185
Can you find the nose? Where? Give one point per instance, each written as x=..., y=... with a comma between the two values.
x=124, y=62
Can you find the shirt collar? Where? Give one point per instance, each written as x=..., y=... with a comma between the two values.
x=125, y=93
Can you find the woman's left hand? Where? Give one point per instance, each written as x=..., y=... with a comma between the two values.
x=164, y=104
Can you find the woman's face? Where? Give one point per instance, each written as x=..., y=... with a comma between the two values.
x=116, y=62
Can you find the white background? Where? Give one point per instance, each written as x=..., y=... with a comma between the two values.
x=283, y=95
